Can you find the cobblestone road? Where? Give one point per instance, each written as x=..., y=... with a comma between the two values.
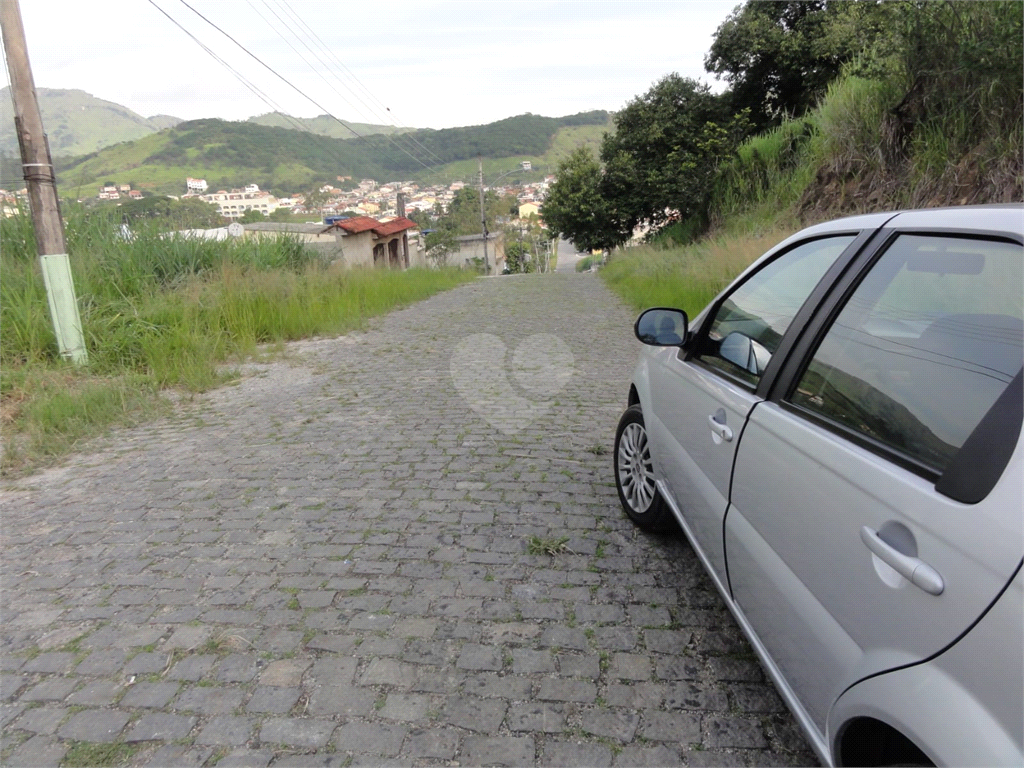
x=362, y=556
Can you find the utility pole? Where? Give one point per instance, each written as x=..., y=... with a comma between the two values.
x=483, y=215
x=41, y=181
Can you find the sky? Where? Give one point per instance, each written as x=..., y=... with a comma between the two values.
x=425, y=64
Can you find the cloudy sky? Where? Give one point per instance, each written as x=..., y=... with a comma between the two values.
x=432, y=63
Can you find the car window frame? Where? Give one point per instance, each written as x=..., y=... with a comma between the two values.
x=691, y=352
x=825, y=314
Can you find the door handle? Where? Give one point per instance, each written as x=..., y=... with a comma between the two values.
x=720, y=429
x=912, y=569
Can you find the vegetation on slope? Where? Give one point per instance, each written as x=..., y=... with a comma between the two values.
x=230, y=154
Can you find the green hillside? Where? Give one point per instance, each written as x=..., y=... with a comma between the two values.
x=77, y=122
x=325, y=125
x=229, y=154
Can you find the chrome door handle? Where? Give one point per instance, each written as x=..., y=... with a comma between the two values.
x=720, y=429
x=912, y=569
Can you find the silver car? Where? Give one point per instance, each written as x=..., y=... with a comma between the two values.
x=838, y=435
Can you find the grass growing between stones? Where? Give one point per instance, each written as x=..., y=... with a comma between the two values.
x=84, y=754
x=163, y=313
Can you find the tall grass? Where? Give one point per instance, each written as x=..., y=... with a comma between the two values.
x=160, y=311
x=685, y=277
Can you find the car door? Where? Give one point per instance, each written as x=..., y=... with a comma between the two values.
x=700, y=396
x=870, y=523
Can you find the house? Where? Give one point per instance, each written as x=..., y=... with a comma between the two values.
x=196, y=186
x=471, y=252
x=526, y=210
x=368, y=242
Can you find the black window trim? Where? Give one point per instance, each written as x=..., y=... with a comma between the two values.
x=825, y=314
x=764, y=385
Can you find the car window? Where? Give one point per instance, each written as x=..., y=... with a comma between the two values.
x=749, y=325
x=923, y=348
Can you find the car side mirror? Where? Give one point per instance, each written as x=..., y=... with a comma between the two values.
x=743, y=351
x=662, y=327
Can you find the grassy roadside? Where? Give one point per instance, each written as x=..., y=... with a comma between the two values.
x=162, y=313
x=686, y=277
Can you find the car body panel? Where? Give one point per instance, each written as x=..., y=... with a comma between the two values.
x=974, y=688
x=861, y=608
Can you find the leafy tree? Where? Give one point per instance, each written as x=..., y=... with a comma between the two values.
x=441, y=244
x=252, y=216
x=576, y=208
x=779, y=57
x=188, y=213
x=661, y=161
x=281, y=214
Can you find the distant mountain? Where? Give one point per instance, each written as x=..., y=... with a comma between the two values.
x=77, y=122
x=230, y=154
x=325, y=125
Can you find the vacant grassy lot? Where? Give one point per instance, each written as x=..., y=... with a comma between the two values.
x=162, y=312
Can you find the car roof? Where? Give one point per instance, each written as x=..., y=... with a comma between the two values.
x=1007, y=217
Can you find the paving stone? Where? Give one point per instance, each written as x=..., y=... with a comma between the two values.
x=527, y=662
x=735, y=732
x=635, y=695
x=305, y=733
x=498, y=750
x=146, y=663
x=226, y=731
x=574, y=754
x=480, y=658
x=432, y=744
x=159, y=726
x=180, y=756
x=56, y=663
x=237, y=668
x=42, y=720
x=630, y=666
x=372, y=738
x=153, y=695
x=536, y=716
x=273, y=700
x=104, y=662
x=103, y=725
x=388, y=672
x=577, y=665
x=694, y=696
x=210, y=700
x=405, y=706
x=666, y=640
x=636, y=756
x=38, y=752
x=615, y=724
x=192, y=668
x=481, y=715
x=567, y=690
x=285, y=673
x=246, y=758
x=98, y=693
x=53, y=689
x=682, y=727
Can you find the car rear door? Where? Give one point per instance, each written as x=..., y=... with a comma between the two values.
x=871, y=521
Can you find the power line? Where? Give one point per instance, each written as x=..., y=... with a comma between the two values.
x=389, y=117
x=298, y=53
x=241, y=78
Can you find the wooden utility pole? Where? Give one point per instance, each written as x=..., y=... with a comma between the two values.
x=483, y=215
x=41, y=181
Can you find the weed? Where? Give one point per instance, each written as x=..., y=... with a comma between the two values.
x=598, y=449
x=92, y=755
x=538, y=545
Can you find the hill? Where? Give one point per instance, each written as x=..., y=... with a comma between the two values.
x=229, y=154
x=325, y=125
x=77, y=122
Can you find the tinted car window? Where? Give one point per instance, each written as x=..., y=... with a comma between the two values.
x=749, y=325
x=926, y=344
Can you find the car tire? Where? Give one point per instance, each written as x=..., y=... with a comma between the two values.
x=634, y=475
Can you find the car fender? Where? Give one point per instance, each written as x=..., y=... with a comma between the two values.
x=972, y=687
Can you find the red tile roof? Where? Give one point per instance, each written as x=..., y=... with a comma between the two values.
x=394, y=226
x=358, y=224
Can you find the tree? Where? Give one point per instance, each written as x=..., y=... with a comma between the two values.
x=251, y=216
x=441, y=244
x=779, y=57
x=661, y=161
x=576, y=209
x=281, y=214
